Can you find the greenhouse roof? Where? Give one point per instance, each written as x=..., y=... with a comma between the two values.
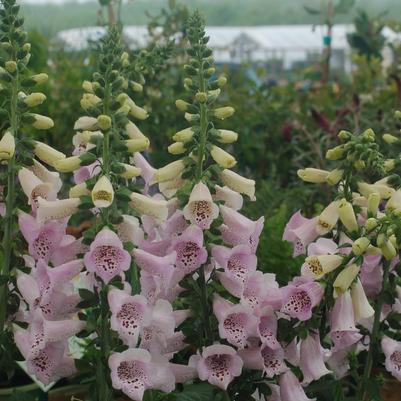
x=267, y=38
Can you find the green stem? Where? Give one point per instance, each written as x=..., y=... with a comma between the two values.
x=199, y=173
x=203, y=126
x=10, y=200
x=104, y=392
x=374, y=337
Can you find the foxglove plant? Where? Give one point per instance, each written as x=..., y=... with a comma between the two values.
x=233, y=321
x=128, y=338
x=352, y=255
x=36, y=292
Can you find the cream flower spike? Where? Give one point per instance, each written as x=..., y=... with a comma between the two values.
x=67, y=165
x=200, y=209
x=103, y=193
x=238, y=183
x=169, y=188
x=79, y=190
x=151, y=207
x=328, y=218
x=58, y=209
x=313, y=175
x=7, y=146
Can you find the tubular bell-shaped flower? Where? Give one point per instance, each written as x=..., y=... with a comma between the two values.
x=106, y=257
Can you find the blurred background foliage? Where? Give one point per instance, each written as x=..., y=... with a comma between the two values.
x=282, y=125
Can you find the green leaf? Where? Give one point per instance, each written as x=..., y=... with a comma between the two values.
x=21, y=396
x=197, y=392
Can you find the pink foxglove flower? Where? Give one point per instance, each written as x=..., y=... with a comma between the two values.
x=392, y=351
x=236, y=322
x=42, y=238
x=299, y=298
x=267, y=328
x=312, y=359
x=106, y=256
x=219, y=364
x=200, y=209
x=238, y=229
x=86, y=172
x=160, y=329
x=159, y=266
x=49, y=364
x=323, y=246
x=301, y=232
x=291, y=389
x=129, y=230
x=237, y=262
x=129, y=314
x=41, y=331
x=54, y=304
x=342, y=323
x=270, y=360
x=191, y=253
x=133, y=372
x=372, y=275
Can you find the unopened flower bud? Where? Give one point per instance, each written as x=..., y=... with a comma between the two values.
x=169, y=172
x=136, y=86
x=104, y=122
x=345, y=135
x=334, y=176
x=11, y=66
x=130, y=171
x=388, y=249
x=26, y=47
x=139, y=112
x=34, y=99
x=176, y=148
x=238, y=183
x=373, y=203
x=184, y=135
x=137, y=145
x=360, y=245
x=313, y=175
x=389, y=165
x=347, y=215
x=201, y=97
x=369, y=135
x=397, y=115
x=335, y=153
x=223, y=112
x=191, y=117
x=222, y=158
x=40, y=78
x=226, y=136
x=359, y=164
x=47, y=154
x=388, y=138
x=7, y=146
x=221, y=81
x=182, y=105
x=87, y=86
x=42, y=122
x=371, y=224
x=68, y=164
x=345, y=278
